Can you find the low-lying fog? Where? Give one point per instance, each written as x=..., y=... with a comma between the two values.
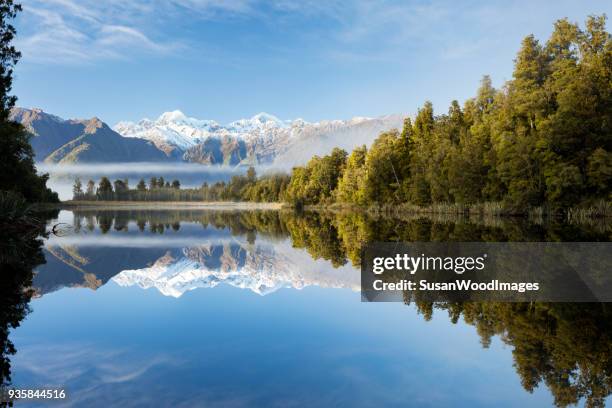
x=62, y=176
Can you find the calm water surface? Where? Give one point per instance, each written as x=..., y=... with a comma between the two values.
x=201, y=308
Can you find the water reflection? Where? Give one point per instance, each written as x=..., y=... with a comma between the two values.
x=248, y=250
x=566, y=347
x=20, y=252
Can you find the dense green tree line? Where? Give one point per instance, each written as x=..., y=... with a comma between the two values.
x=248, y=187
x=544, y=138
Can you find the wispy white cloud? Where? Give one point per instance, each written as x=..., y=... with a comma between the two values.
x=210, y=7
x=119, y=35
x=73, y=8
x=356, y=31
x=88, y=369
x=63, y=31
x=55, y=39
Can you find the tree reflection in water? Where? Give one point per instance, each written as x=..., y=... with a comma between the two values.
x=338, y=237
x=567, y=347
x=20, y=252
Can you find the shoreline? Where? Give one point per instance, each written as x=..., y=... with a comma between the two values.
x=603, y=211
x=162, y=205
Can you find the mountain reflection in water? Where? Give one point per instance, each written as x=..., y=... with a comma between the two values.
x=564, y=347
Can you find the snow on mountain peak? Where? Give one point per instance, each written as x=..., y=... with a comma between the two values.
x=263, y=269
x=261, y=121
x=173, y=116
x=170, y=130
x=262, y=137
x=263, y=117
x=175, y=130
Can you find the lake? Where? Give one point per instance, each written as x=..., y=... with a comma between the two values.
x=190, y=308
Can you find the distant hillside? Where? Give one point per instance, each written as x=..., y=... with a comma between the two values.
x=56, y=140
x=174, y=137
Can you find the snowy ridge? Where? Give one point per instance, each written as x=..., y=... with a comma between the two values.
x=260, y=139
x=262, y=270
x=176, y=129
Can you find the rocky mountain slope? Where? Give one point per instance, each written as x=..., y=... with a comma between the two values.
x=174, y=137
x=56, y=140
x=261, y=139
x=260, y=268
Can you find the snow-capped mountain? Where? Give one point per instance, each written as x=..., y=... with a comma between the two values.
x=261, y=139
x=208, y=142
x=175, y=137
x=177, y=130
x=261, y=269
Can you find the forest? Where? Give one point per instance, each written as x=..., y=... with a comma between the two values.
x=543, y=140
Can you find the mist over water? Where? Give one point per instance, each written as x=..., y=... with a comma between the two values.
x=190, y=175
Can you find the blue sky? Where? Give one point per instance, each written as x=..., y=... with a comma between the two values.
x=224, y=60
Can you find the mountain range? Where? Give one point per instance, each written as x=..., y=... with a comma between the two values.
x=174, y=137
x=260, y=268
x=56, y=140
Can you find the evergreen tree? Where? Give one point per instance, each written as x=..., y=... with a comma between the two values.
x=350, y=188
x=105, y=189
x=524, y=106
x=17, y=170
x=297, y=189
x=405, y=155
x=77, y=189
x=121, y=189
x=419, y=191
x=382, y=165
